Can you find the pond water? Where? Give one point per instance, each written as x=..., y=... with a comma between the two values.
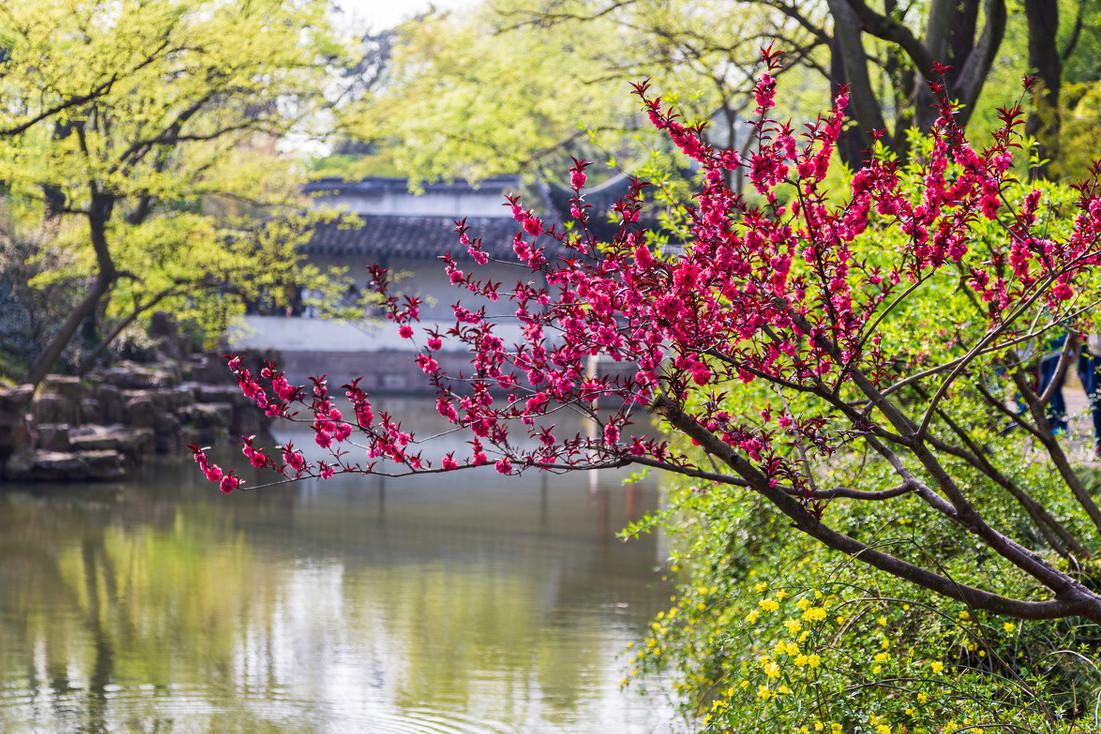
x=465, y=603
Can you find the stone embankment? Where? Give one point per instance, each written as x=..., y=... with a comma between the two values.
x=102, y=426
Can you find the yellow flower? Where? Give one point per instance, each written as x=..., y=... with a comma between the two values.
x=814, y=614
x=760, y=587
x=882, y=729
x=793, y=626
x=802, y=604
x=885, y=644
x=922, y=698
x=964, y=615
x=937, y=666
x=814, y=660
x=769, y=605
x=781, y=595
x=772, y=670
x=819, y=726
x=877, y=669
x=752, y=616
x=1009, y=626
x=882, y=621
x=882, y=657
x=764, y=692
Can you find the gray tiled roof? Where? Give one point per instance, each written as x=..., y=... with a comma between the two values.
x=415, y=236
x=379, y=184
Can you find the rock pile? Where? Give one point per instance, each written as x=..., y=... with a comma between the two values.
x=101, y=427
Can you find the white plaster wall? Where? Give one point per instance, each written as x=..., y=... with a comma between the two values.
x=295, y=334
x=455, y=205
x=428, y=280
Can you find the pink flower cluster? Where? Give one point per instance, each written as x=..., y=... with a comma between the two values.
x=770, y=288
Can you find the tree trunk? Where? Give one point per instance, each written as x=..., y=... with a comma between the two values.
x=851, y=60
x=87, y=306
x=1046, y=61
x=88, y=361
x=99, y=213
x=854, y=140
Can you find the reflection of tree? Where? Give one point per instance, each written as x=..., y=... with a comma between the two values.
x=490, y=602
x=121, y=603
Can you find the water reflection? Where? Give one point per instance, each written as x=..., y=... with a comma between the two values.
x=480, y=604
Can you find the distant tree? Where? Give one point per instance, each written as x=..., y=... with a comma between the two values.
x=518, y=54
x=513, y=84
x=152, y=132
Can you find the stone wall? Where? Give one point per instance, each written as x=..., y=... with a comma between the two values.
x=102, y=426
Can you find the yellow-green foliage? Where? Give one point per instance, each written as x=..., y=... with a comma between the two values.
x=514, y=85
x=177, y=111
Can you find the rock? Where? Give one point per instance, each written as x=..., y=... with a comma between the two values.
x=131, y=442
x=188, y=436
x=219, y=394
x=14, y=437
x=167, y=435
x=142, y=411
x=207, y=370
x=67, y=386
x=54, y=408
x=112, y=405
x=14, y=404
x=66, y=466
x=212, y=415
x=104, y=464
x=46, y=466
x=52, y=437
x=182, y=396
x=15, y=401
x=129, y=376
x=211, y=421
x=90, y=410
x=247, y=420
x=20, y=465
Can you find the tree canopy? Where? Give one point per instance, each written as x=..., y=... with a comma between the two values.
x=157, y=134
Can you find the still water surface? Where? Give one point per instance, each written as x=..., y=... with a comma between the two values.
x=470, y=603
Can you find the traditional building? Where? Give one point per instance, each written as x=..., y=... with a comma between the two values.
x=407, y=234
